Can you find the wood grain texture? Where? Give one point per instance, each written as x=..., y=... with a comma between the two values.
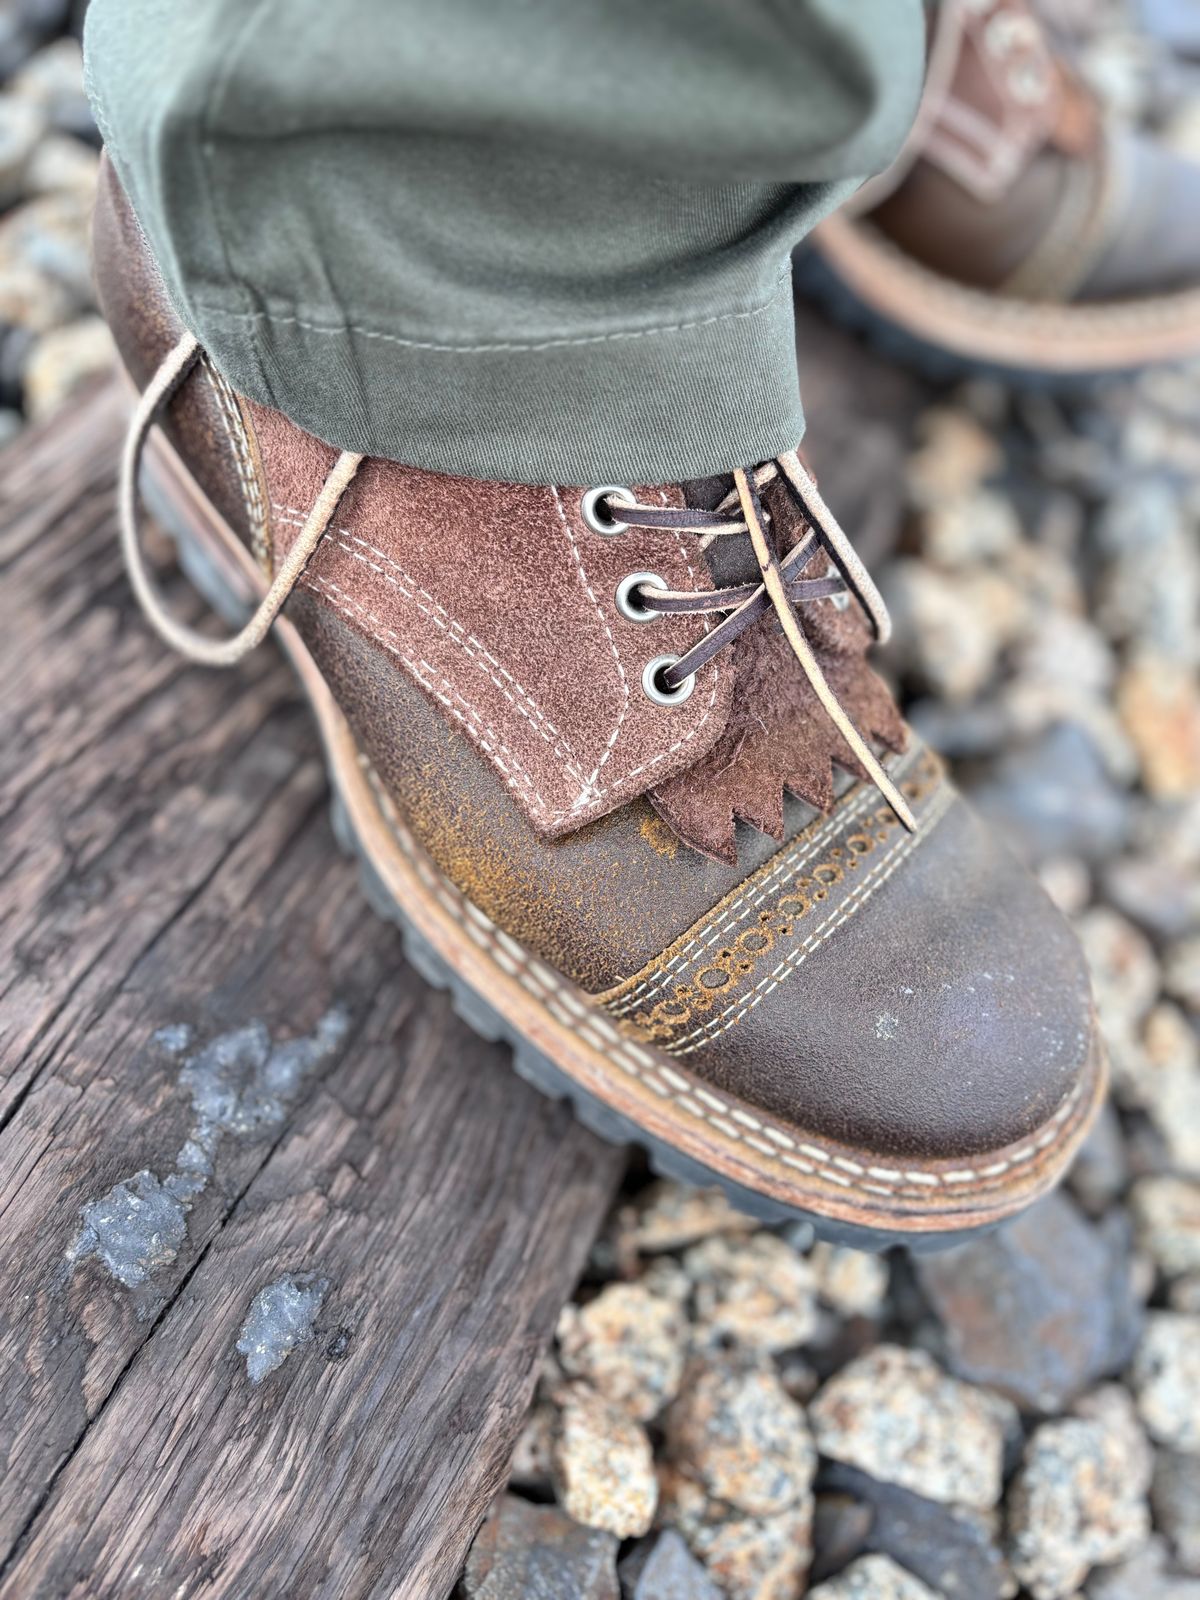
x=165, y=862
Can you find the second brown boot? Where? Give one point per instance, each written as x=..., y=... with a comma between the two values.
x=1017, y=232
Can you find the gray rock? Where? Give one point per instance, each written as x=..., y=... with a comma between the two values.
x=1100, y=1172
x=1181, y=973
x=1175, y=1499
x=1148, y=588
x=961, y=732
x=628, y=1343
x=841, y=1528
x=528, y=1552
x=11, y=423
x=62, y=163
x=852, y=1282
x=737, y=1482
x=63, y=361
x=17, y=43
x=758, y=1293
x=53, y=81
x=1039, y=1310
x=662, y=1568
x=603, y=1465
x=1054, y=797
x=1154, y=893
x=736, y=1433
x=951, y=1551
x=1125, y=980
x=1144, y=1576
x=1162, y=1077
x=49, y=235
x=669, y=1215
x=1166, y=1211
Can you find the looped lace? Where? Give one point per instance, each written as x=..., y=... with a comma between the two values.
x=199, y=646
x=780, y=588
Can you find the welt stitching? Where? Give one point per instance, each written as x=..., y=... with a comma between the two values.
x=750, y=898
x=541, y=981
x=783, y=285
x=458, y=636
x=470, y=720
x=853, y=903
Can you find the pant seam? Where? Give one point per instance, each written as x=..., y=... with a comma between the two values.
x=501, y=346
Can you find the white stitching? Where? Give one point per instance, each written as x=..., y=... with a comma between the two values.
x=853, y=902
x=543, y=983
x=470, y=720
x=707, y=936
x=441, y=618
x=663, y=755
x=459, y=636
x=235, y=432
x=783, y=286
x=589, y=791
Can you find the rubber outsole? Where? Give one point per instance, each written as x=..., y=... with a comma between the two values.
x=530, y=1063
x=815, y=280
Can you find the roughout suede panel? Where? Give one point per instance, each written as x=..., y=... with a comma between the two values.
x=499, y=601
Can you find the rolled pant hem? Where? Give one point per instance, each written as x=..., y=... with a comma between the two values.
x=643, y=406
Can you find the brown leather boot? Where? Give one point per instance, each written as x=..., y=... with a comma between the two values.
x=670, y=841
x=1017, y=232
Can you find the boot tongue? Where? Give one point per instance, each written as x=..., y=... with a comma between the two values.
x=731, y=559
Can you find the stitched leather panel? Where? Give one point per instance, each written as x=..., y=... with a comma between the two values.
x=911, y=995
x=1004, y=99
x=597, y=903
x=684, y=996
x=498, y=600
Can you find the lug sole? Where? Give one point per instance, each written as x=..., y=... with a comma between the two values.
x=947, y=330
x=564, y=1045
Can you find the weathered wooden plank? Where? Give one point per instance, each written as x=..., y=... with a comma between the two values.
x=311, y=1110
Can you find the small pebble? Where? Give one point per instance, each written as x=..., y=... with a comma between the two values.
x=873, y=1578
x=758, y=1292
x=603, y=1465
x=1166, y=1379
x=894, y=1414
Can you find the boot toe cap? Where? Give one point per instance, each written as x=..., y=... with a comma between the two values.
x=944, y=1015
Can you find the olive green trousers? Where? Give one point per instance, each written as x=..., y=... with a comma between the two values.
x=539, y=240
